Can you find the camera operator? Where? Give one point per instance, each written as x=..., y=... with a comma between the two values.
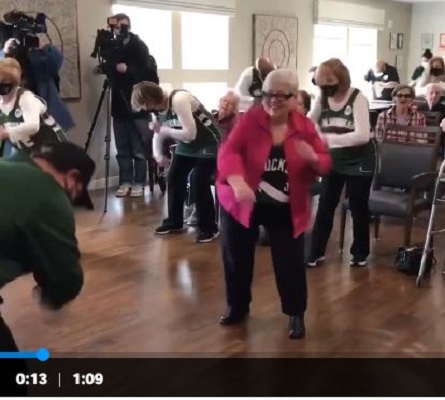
x=41, y=63
x=24, y=121
x=131, y=64
x=37, y=229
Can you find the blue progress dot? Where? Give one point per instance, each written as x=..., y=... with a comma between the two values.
x=42, y=355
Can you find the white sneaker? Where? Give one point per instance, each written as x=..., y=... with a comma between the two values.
x=137, y=191
x=123, y=190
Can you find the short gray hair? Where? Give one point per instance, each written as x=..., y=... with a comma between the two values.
x=432, y=86
x=282, y=76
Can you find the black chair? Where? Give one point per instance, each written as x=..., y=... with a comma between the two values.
x=404, y=179
x=432, y=118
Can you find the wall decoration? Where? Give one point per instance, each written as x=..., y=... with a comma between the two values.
x=400, y=41
x=399, y=62
x=427, y=41
x=393, y=41
x=442, y=41
x=276, y=37
x=62, y=29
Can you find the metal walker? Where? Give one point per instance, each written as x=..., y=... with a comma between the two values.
x=440, y=181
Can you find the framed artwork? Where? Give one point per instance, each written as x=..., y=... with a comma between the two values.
x=276, y=38
x=399, y=62
x=393, y=41
x=427, y=41
x=400, y=41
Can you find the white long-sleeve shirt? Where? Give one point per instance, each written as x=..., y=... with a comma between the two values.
x=362, y=128
x=31, y=109
x=242, y=89
x=183, y=128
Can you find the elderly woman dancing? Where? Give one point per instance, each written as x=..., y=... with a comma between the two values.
x=265, y=170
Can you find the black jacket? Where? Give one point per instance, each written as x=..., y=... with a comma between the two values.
x=141, y=66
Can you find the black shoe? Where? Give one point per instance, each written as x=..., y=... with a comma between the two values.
x=358, y=262
x=207, y=237
x=167, y=228
x=297, y=329
x=233, y=318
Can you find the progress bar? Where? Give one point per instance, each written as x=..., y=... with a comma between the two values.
x=41, y=355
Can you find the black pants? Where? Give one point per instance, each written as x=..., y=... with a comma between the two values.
x=192, y=188
x=238, y=250
x=357, y=191
x=177, y=189
x=8, y=387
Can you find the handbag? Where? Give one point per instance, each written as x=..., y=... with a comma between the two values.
x=408, y=260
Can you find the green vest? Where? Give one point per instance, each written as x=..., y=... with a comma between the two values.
x=354, y=160
x=208, y=135
x=48, y=132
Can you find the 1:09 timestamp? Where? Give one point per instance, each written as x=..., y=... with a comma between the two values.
x=88, y=379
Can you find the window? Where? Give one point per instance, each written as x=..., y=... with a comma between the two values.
x=208, y=93
x=356, y=47
x=205, y=41
x=154, y=27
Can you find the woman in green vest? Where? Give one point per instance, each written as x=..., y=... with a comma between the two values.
x=342, y=115
x=24, y=121
x=183, y=118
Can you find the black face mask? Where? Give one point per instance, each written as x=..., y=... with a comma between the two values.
x=5, y=88
x=313, y=82
x=329, y=90
x=436, y=71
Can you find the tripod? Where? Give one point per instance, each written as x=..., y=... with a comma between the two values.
x=106, y=94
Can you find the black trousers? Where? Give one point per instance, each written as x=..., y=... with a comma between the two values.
x=11, y=368
x=357, y=191
x=204, y=170
x=238, y=251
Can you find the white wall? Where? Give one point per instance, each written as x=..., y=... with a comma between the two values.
x=427, y=18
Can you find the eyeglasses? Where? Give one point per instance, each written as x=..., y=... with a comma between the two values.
x=406, y=96
x=277, y=96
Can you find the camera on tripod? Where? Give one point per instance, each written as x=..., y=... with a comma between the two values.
x=108, y=44
x=24, y=29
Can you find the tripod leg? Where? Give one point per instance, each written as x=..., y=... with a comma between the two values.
x=107, y=149
x=96, y=115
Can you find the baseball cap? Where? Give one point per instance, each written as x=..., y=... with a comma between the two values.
x=65, y=156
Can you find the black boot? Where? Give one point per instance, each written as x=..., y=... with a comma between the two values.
x=297, y=329
x=232, y=317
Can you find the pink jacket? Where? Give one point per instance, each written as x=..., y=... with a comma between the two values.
x=245, y=153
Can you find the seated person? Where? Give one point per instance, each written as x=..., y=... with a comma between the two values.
x=24, y=121
x=402, y=113
x=304, y=102
x=426, y=57
x=433, y=104
x=384, y=78
x=434, y=73
x=226, y=116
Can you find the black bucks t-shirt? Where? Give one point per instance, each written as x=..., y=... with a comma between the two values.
x=274, y=186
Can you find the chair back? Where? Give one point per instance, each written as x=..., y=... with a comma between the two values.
x=399, y=161
x=432, y=118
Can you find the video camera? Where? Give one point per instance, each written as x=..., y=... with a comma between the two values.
x=23, y=28
x=107, y=45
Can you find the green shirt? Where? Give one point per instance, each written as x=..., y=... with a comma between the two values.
x=208, y=135
x=37, y=232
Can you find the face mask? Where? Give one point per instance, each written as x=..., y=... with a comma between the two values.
x=436, y=71
x=313, y=82
x=5, y=88
x=329, y=90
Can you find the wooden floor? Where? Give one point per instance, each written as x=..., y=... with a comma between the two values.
x=145, y=295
